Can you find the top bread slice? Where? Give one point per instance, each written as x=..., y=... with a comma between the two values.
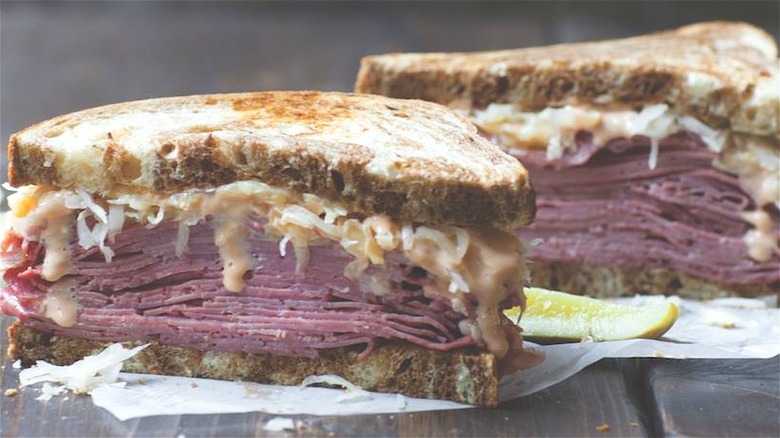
x=413, y=160
x=723, y=73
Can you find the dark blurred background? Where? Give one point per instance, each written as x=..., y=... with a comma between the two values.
x=57, y=57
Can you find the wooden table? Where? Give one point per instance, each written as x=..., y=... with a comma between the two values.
x=58, y=57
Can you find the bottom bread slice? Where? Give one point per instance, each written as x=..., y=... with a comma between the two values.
x=464, y=376
x=603, y=281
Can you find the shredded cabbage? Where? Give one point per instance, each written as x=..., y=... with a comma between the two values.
x=116, y=218
x=652, y=160
x=457, y=282
x=182, y=237
x=84, y=375
x=283, y=245
x=555, y=128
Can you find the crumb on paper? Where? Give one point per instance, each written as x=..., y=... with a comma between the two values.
x=660, y=355
x=738, y=303
x=278, y=424
x=400, y=401
x=141, y=381
x=251, y=389
x=10, y=392
x=604, y=427
x=48, y=391
x=194, y=384
x=722, y=318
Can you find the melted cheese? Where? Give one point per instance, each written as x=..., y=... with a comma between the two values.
x=493, y=262
x=485, y=263
x=60, y=305
x=755, y=161
x=50, y=225
x=760, y=242
x=231, y=239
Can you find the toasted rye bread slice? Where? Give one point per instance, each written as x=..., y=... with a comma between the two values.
x=723, y=73
x=412, y=160
x=604, y=282
x=463, y=376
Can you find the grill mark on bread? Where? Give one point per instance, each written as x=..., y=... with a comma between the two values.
x=646, y=87
x=27, y=165
x=201, y=162
x=297, y=108
x=121, y=165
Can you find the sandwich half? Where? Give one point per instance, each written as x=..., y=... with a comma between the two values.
x=655, y=159
x=268, y=237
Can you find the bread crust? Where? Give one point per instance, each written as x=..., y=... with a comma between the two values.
x=412, y=160
x=604, y=282
x=723, y=73
x=464, y=376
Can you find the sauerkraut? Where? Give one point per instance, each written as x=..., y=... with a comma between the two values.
x=302, y=220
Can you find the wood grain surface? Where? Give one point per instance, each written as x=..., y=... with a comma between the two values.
x=57, y=57
x=717, y=397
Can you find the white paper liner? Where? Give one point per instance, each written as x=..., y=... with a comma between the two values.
x=730, y=328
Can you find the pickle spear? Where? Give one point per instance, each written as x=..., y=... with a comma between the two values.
x=552, y=316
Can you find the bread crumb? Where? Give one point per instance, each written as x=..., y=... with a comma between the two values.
x=603, y=427
x=278, y=424
x=10, y=392
x=194, y=385
x=141, y=381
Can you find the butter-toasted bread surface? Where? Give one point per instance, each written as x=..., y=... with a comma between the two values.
x=412, y=160
x=723, y=73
